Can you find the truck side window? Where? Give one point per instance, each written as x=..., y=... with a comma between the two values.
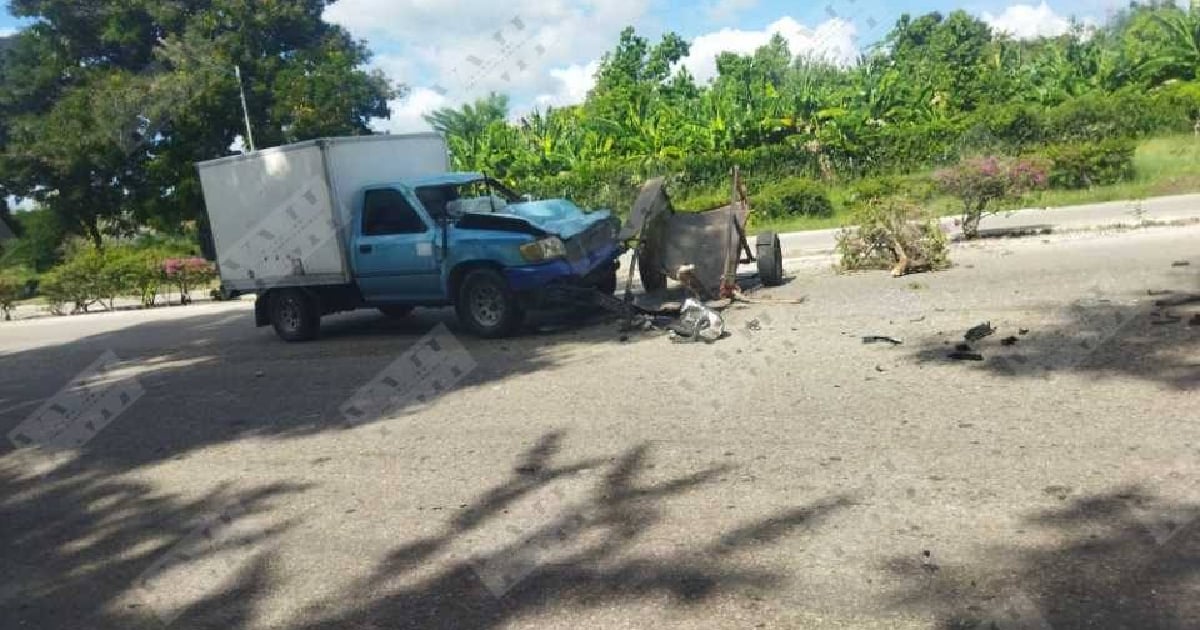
x=435, y=198
x=386, y=211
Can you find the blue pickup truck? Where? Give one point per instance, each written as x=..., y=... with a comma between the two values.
x=333, y=225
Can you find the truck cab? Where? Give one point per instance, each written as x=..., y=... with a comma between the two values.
x=466, y=240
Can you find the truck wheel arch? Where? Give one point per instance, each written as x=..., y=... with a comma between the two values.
x=461, y=270
x=262, y=304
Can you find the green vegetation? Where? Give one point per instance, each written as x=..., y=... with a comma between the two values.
x=1161, y=166
x=106, y=105
x=938, y=89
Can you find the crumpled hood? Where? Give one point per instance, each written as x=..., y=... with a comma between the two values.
x=557, y=216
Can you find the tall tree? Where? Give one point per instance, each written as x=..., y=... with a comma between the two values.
x=107, y=104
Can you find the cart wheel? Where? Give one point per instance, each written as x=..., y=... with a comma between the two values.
x=770, y=259
x=651, y=272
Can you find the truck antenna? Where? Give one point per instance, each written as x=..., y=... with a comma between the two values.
x=237, y=70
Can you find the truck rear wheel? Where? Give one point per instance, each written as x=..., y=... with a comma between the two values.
x=487, y=305
x=295, y=315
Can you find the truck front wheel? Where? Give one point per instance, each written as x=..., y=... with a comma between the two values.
x=487, y=305
x=295, y=315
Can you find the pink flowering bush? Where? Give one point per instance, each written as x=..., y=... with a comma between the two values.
x=978, y=182
x=187, y=273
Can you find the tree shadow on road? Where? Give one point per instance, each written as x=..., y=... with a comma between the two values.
x=1122, y=559
x=1152, y=336
x=212, y=377
x=77, y=547
x=579, y=554
x=75, y=542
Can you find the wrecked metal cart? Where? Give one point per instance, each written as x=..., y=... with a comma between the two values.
x=701, y=250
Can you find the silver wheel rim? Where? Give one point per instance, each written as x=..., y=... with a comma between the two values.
x=487, y=305
x=290, y=314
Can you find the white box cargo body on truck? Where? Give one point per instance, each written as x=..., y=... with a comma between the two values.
x=279, y=216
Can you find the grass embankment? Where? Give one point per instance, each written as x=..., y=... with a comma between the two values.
x=1163, y=166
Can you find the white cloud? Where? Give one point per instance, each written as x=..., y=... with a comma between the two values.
x=539, y=52
x=407, y=114
x=471, y=47
x=454, y=51
x=833, y=40
x=398, y=68
x=5, y=32
x=1025, y=21
x=574, y=82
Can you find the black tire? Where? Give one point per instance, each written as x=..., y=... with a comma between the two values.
x=770, y=259
x=295, y=315
x=651, y=272
x=396, y=311
x=487, y=306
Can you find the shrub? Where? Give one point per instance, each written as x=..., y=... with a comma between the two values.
x=791, y=198
x=702, y=201
x=979, y=182
x=188, y=273
x=139, y=272
x=65, y=285
x=12, y=288
x=875, y=189
x=1087, y=164
x=1119, y=115
x=893, y=234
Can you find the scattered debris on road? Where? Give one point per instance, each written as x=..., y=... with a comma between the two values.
x=1180, y=263
x=1157, y=292
x=1023, y=332
x=869, y=339
x=1008, y=341
x=963, y=347
x=697, y=322
x=965, y=356
x=979, y=332
x=927, y=562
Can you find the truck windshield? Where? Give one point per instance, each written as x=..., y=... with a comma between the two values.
x=454, y=200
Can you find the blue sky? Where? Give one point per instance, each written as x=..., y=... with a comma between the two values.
x=543, y=52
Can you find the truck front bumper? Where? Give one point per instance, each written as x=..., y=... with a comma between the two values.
x=533, y=277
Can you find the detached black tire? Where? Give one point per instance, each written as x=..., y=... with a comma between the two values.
x=487, y=306
x=295, y=315
x=651, y=271
x=770, y=259
x=396, y=311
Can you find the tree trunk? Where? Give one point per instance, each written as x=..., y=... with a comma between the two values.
x=971, y=219
x=91, y=228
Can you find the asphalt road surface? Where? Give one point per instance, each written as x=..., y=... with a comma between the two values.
x=787, y=476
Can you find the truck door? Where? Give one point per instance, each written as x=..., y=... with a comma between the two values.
x=396, y=250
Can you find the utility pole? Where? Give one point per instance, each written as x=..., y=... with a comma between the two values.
x=237, y=70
